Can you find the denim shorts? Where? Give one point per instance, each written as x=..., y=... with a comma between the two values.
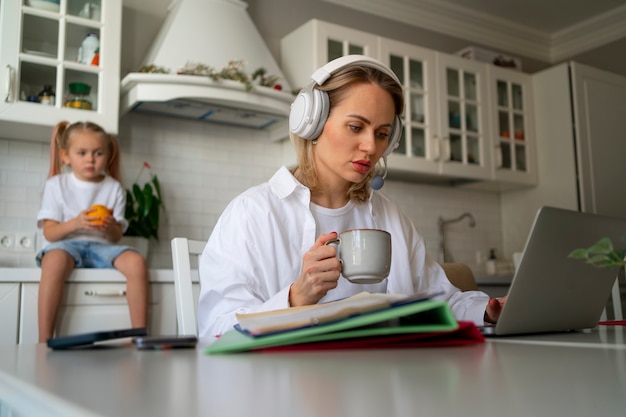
x=86, y=253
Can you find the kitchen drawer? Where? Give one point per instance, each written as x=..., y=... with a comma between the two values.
x=94, y=306
x=9, y=310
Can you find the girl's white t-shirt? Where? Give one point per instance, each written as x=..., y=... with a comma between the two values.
x=65, y=196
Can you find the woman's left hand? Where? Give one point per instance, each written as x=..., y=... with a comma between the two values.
x=494, y=308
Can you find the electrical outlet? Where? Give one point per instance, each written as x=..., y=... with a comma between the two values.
x=7, y=241
x=25, y=242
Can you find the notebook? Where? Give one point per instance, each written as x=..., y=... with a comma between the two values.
x=551, y=292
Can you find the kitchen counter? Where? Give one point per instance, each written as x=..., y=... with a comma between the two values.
x=493, y=279
x=86, y=275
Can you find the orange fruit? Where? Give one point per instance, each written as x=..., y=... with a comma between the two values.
x=100, y=211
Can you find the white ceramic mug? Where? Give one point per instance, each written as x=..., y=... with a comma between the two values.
x=365, y=255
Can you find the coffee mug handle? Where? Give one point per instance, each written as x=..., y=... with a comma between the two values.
x=336, y=241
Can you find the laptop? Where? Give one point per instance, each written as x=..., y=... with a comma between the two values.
x=551, y=292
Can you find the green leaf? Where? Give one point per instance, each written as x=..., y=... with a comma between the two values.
x=601, y=254
x=148, y=200
x=604, y=245
x=578, y=254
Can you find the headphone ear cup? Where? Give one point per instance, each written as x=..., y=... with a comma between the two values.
x=308, y=113
x=394, y=138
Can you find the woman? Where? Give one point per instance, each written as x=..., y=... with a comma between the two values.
x=267, y=250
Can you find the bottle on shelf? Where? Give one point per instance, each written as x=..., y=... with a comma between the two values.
x=46, y=96
x=88, y=49
x=490, y=265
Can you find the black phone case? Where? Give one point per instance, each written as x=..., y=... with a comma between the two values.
x=85, y=339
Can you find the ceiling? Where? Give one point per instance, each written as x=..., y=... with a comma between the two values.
x=548, y=30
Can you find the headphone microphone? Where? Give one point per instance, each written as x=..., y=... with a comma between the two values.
x=379, y=180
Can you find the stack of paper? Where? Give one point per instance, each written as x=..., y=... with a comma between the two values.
x=361, y=321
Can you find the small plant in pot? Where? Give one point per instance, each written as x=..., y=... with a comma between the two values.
x=143, y=206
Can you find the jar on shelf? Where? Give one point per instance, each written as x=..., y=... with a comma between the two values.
x=46, y=96
x=78, y=97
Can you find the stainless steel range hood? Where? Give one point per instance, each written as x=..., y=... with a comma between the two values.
x=212, y=33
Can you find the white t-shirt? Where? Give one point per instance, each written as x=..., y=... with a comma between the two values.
x=255, y=253
x=65, y=196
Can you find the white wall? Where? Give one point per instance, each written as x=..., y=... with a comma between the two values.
x=203, y=166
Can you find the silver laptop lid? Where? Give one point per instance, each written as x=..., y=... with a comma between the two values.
x=552, y=292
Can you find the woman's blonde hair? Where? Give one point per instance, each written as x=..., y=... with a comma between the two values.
x=62, y=136
x=337, y=87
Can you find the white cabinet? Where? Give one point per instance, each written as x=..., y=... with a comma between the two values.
x=40, y=47
x=93, y=306
x=512, y=124
x=9, y=312
x=448, y=134
x=315, y=43
x=421, y=145
x=463, y=109
x=580, y=120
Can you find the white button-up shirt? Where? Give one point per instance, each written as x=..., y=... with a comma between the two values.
x=255, y=253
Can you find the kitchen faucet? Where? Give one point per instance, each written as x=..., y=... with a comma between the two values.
x=443, y=255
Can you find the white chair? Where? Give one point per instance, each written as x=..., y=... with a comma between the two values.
x=186, y=303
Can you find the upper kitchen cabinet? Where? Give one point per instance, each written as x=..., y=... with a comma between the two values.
x=420, y=147
x=513, y=138
x=315, y=43
x=58, y=61
x=463, y=106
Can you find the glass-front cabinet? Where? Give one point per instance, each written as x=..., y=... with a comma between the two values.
x=315, y=43
x=463, y=115
x=513, y=138
x=59, y=60
x=420, y=145
x=465, y=122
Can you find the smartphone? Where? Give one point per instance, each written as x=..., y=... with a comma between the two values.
x=91, y=338
x=165, y=342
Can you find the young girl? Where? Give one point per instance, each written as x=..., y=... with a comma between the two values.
x=74, y=237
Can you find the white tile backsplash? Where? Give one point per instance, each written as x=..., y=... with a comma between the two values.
x=201, y=167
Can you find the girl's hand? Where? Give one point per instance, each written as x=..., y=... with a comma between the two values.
x=320, y=272
x=85, y=220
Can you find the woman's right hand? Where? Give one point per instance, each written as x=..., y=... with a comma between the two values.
x=320, y=272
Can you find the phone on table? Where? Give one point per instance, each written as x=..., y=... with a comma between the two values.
x=92, y=338
x=165, y=342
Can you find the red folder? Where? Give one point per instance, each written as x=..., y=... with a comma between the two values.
x=466, y=334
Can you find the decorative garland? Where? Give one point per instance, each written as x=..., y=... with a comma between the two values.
x=233, y=71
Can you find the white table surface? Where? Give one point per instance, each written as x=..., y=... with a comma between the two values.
x=574, y=374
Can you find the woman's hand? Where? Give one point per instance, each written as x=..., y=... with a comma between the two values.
x=493, y=309
x=320, y=272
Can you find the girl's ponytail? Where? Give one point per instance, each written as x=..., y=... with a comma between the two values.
x=113, y=167
x=56, y=165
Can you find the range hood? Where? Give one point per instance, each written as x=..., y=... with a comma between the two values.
x=212, y=33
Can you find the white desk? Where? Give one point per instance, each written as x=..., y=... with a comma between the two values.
x=582, y=374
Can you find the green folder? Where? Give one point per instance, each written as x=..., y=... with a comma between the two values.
x=419, y=316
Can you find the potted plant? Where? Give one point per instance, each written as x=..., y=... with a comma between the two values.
x=143, y=207
x=601, y=254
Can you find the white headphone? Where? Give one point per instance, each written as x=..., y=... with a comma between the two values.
x=310, y=108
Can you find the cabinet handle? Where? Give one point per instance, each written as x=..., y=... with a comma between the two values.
x=436, y=148
x=9, y=84
x=498, y=156
x=115, y=293
x=447, y=152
